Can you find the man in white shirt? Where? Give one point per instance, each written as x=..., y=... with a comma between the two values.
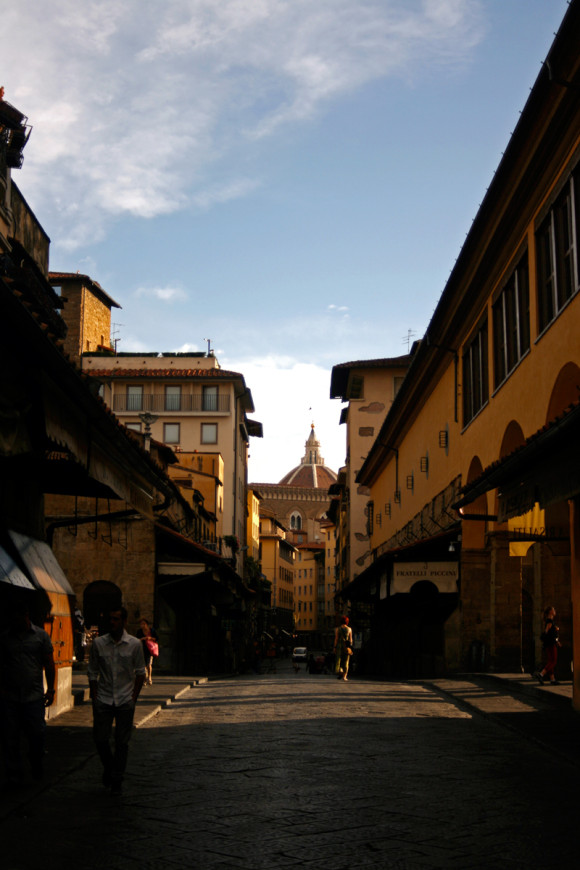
x=116, y=675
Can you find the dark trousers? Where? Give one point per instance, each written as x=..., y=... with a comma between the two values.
x=18, y=719
x=104, y=716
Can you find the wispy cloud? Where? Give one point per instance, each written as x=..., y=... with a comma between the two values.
x=163, y=294
x=137, y=106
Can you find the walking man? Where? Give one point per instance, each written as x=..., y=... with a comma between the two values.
x=25, y=654
x=116, y=675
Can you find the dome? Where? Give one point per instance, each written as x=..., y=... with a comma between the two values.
x=312, y=472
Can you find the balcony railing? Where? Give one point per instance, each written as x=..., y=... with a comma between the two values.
x=171, y=404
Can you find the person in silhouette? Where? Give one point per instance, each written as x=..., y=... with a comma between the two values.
x=26, y=657
x=342, y=648
x=550, y=638
x=148, y=636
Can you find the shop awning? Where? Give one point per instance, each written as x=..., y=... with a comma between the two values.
x=544, y=470
x=41, y=564
x=11, y=573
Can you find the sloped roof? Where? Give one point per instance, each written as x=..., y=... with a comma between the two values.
x=340, y=372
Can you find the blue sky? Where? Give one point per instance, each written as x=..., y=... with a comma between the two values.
x=292, y=179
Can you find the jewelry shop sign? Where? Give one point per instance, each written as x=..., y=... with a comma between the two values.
x=444, y=575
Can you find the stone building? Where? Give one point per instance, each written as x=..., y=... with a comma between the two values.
x=369, y=387
x=299, y=503
x=86, y=309
x=183, y=567
x=188, y=402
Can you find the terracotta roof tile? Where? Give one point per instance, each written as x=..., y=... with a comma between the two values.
x=220, y=374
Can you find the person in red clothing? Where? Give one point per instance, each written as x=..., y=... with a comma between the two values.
x=550, y=638
x=146, y=634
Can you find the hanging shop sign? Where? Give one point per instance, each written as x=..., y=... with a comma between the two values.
x=443, y=575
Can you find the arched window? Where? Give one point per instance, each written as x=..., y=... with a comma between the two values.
x=295, y=520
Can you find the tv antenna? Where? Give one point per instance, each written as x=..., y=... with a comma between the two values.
x=408, y=337
x=115, y=331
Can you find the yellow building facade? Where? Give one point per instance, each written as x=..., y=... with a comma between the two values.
x=277, y=558
x=484, y=428
x=190, y=403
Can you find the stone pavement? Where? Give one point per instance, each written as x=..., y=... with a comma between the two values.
x=296, y=770
x=69, y=738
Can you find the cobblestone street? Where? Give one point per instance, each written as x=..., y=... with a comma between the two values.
x=290, y=770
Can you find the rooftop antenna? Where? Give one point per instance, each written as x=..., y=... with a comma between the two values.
x=115, y=331
x=408, y=337
x=209, y=347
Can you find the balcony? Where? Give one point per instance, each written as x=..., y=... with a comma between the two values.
x=159, y=404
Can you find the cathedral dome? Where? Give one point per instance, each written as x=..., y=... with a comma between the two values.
x=312, y=472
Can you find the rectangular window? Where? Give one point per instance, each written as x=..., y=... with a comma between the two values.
x=173, y=398
x=355, y=387
x=511, y=323
x=557, y=242
x=475, y=378
x=209, y=433
x=209, y=398
x=370, y=517
x=135, y=427
x=134, y=398
x=171, y=433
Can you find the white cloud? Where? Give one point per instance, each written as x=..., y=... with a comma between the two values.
x=163, y=294
x=187, y=348
x=137, y=106
x=289, y=396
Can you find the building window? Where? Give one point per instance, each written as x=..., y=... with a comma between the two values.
x=134, y=398
x=475, y=380
x=356, y=387
x=171, y=433
x=173, y=398
x=511, y=323
x=557, y=253
x=295, y=521
x=210, y=398
x=370, y=517
x=134, y=427
x=209, y=433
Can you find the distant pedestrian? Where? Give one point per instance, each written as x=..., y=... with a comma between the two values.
x=150, y=641
x=550, y=638
x=80, y=635
x=342, y=648
x=116, y=676
x=26, y=655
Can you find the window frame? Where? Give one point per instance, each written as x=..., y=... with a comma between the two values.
x=475, y=372
x=204, y=428
x=209, y=397
x=133, y=393
x=172, y=397
x=511, y=322
x=557, y=252
x=166, y=427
